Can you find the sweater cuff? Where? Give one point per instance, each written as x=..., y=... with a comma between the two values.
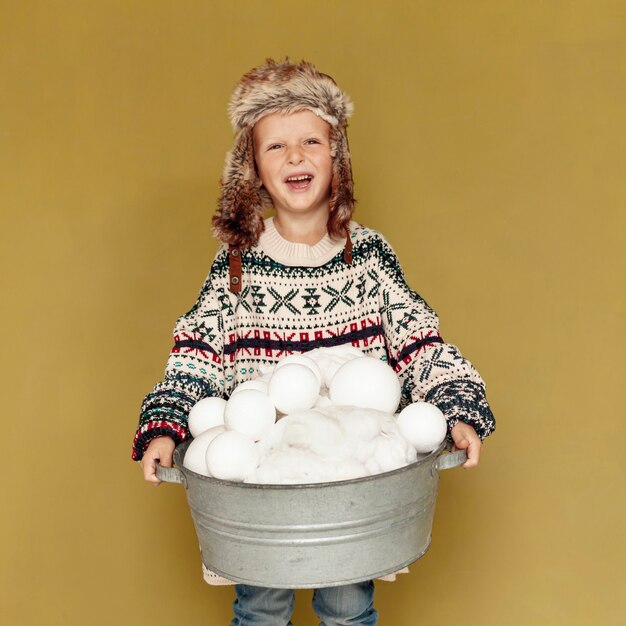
x=164, y=411
x=463, y=400
x=158, y=428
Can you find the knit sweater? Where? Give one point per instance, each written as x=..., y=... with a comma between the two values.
x=294, y=298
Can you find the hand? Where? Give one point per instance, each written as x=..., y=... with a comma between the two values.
x=160, y=449
x=465, y=438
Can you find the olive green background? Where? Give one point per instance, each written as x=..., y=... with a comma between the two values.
x=488, y=146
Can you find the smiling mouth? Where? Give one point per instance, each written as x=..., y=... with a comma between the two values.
x=299, y=182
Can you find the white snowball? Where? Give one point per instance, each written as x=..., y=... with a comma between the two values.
x=366, y=382
x=423, y=425
x=293, y=387
x=195, y=456
x=232, y=456
x=301, y=359
x=205, y=414
x=256, y=383
x=250, y=412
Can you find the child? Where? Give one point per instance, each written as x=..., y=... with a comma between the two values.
x=306, y=278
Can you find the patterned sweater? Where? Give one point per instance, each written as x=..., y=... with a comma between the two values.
x=297, y=297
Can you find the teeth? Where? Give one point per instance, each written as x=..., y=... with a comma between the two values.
x=299, y=178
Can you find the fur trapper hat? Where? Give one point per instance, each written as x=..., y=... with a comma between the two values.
x=280, y=87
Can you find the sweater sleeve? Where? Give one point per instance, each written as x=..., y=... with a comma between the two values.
x=194, y=369
x=430, y=370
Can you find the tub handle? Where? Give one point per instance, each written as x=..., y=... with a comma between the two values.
x=450, y=460
x=170, y=475
x=444, y=462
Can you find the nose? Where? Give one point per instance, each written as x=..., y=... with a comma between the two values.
x=295, y=155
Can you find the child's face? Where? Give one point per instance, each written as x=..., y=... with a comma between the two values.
x=292, y=154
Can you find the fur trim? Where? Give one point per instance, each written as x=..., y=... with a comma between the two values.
x=280, y=87
x=287, y=87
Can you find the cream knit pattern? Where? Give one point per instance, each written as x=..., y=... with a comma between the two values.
x=295, y=298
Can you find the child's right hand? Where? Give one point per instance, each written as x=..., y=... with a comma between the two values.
x=160, y=449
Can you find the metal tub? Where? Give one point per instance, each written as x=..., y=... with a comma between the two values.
x=314, y=535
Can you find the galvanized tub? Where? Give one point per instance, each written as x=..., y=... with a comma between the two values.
x=314, y=535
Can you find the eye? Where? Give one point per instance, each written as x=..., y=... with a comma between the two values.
x=274, y=146
x=312, y=141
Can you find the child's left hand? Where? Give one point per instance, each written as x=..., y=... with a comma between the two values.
x=465, y=438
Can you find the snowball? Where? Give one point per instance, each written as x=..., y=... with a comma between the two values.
x=293, y=387
x=232, y=456
x=366, y=382
x=424, y=425
x=250, y=412
x=301, y=359
x=205, y=414
x=195, y=456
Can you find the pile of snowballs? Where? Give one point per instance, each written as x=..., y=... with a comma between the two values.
x=326, y=415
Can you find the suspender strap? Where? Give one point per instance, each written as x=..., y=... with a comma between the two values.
x=347, y=251
x=234, y=268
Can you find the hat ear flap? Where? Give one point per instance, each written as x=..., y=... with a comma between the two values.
x=342, y=186
x=239, y=218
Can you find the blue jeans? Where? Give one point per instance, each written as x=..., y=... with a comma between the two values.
x=347, y=605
